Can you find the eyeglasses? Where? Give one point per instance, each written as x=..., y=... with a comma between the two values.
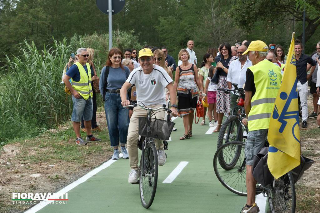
x=240, y=53
x=145, y=59
x=85, y=55
x=158, y=59
x=127, y=54
x=224, y=49
x=281, y=50
x=116, y=57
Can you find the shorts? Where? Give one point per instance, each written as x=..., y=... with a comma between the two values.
x=212, y=97
x=81, y=108
x=313, y=88
x=255, y=142
x=186, y=103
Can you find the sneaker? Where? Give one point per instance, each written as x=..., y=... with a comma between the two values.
x=124, y=152
x=161, y=157
x=133, y=176
x=211, y=124
x=92, y=138
x=115, y=155
x=174, y=129
x=253, y=209
x=313, y=115
x=304, y=124
x=80, y=142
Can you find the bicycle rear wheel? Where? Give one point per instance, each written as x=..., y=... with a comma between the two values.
x=148, y=173
x=282, y=195
x=233, y=178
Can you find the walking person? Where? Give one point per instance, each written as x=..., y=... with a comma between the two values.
x=223, y=99
x=187, y=83
x=151, y=81
x=203, y=75
x=81, y=90
x=113, y=76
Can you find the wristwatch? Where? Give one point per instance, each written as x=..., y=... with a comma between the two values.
x=174, y=105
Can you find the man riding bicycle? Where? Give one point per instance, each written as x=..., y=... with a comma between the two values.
x=150, y=81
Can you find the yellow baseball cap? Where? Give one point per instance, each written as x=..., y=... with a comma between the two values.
x=145, y=52
x=257, y=46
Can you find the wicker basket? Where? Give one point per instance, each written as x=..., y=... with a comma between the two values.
x=160, y=129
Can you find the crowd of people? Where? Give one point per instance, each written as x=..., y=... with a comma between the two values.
x=147, y=78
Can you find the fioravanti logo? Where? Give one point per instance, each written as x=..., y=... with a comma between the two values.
x=31, y=198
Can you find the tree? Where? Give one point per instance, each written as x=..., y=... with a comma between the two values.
x=274, y=12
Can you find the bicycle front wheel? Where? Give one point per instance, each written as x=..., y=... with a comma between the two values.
x=233, y=178
x=282, y=195
x=231, y=130
x=148, y=173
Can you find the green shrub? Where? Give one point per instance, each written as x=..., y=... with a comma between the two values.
x=32, y=99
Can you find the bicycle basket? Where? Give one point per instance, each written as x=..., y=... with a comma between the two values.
x=160, y=129
x=305, y=163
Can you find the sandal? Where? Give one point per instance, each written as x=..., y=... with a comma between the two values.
x=190, y=133
x=203, y=122
x=184, y=137
x=217, y=129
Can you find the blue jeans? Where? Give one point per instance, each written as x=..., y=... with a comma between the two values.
x=117, y=119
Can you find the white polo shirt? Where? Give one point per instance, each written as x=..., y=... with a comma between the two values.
x=236, y=74
x=150, y=87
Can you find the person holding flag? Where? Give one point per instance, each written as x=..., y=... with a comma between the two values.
x=284, y=133
x=263, y=81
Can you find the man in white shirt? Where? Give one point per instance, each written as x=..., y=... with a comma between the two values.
x=237, y=72
x=151, y=81
x=192, y=53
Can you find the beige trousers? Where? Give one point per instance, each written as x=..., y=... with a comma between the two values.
x=133, y=133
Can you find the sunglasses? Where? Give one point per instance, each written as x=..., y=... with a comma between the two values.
x=240, y=53
x=85, y=55
x=145, y=59
x=158, y=59
x=134, y=52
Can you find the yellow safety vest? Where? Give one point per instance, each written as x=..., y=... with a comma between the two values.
x=267, y=80
x=83, y=86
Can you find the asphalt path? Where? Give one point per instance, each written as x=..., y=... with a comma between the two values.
x=186, y=183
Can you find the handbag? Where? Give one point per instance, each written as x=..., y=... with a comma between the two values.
x=199, y=112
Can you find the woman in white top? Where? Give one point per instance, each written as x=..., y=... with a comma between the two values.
x=211, y=91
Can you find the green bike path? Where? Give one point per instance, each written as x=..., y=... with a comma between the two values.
x=195, y=189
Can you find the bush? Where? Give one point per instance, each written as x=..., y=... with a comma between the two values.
x=32, y=98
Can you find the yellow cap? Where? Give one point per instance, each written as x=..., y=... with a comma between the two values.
x=258, y=45
x=145, y=52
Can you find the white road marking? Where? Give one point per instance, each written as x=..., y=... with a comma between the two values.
x=66, y=189
x=173, y=118
x=261, y=202
x=210, y=130
x=176, y=172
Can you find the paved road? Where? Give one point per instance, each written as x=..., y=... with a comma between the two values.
x=195, y=190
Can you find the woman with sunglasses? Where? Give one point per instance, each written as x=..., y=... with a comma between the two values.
x=117, y=116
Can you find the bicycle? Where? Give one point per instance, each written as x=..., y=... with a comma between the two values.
x=280, y=194
x=150, y=129
x=233, y=129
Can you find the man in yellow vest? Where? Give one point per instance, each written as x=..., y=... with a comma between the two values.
x=81, y=90
x=263, y=81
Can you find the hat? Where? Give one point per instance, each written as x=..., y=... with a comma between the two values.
x=257, y=46
x=145, y=52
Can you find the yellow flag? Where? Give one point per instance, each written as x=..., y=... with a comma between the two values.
x=284, y=133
